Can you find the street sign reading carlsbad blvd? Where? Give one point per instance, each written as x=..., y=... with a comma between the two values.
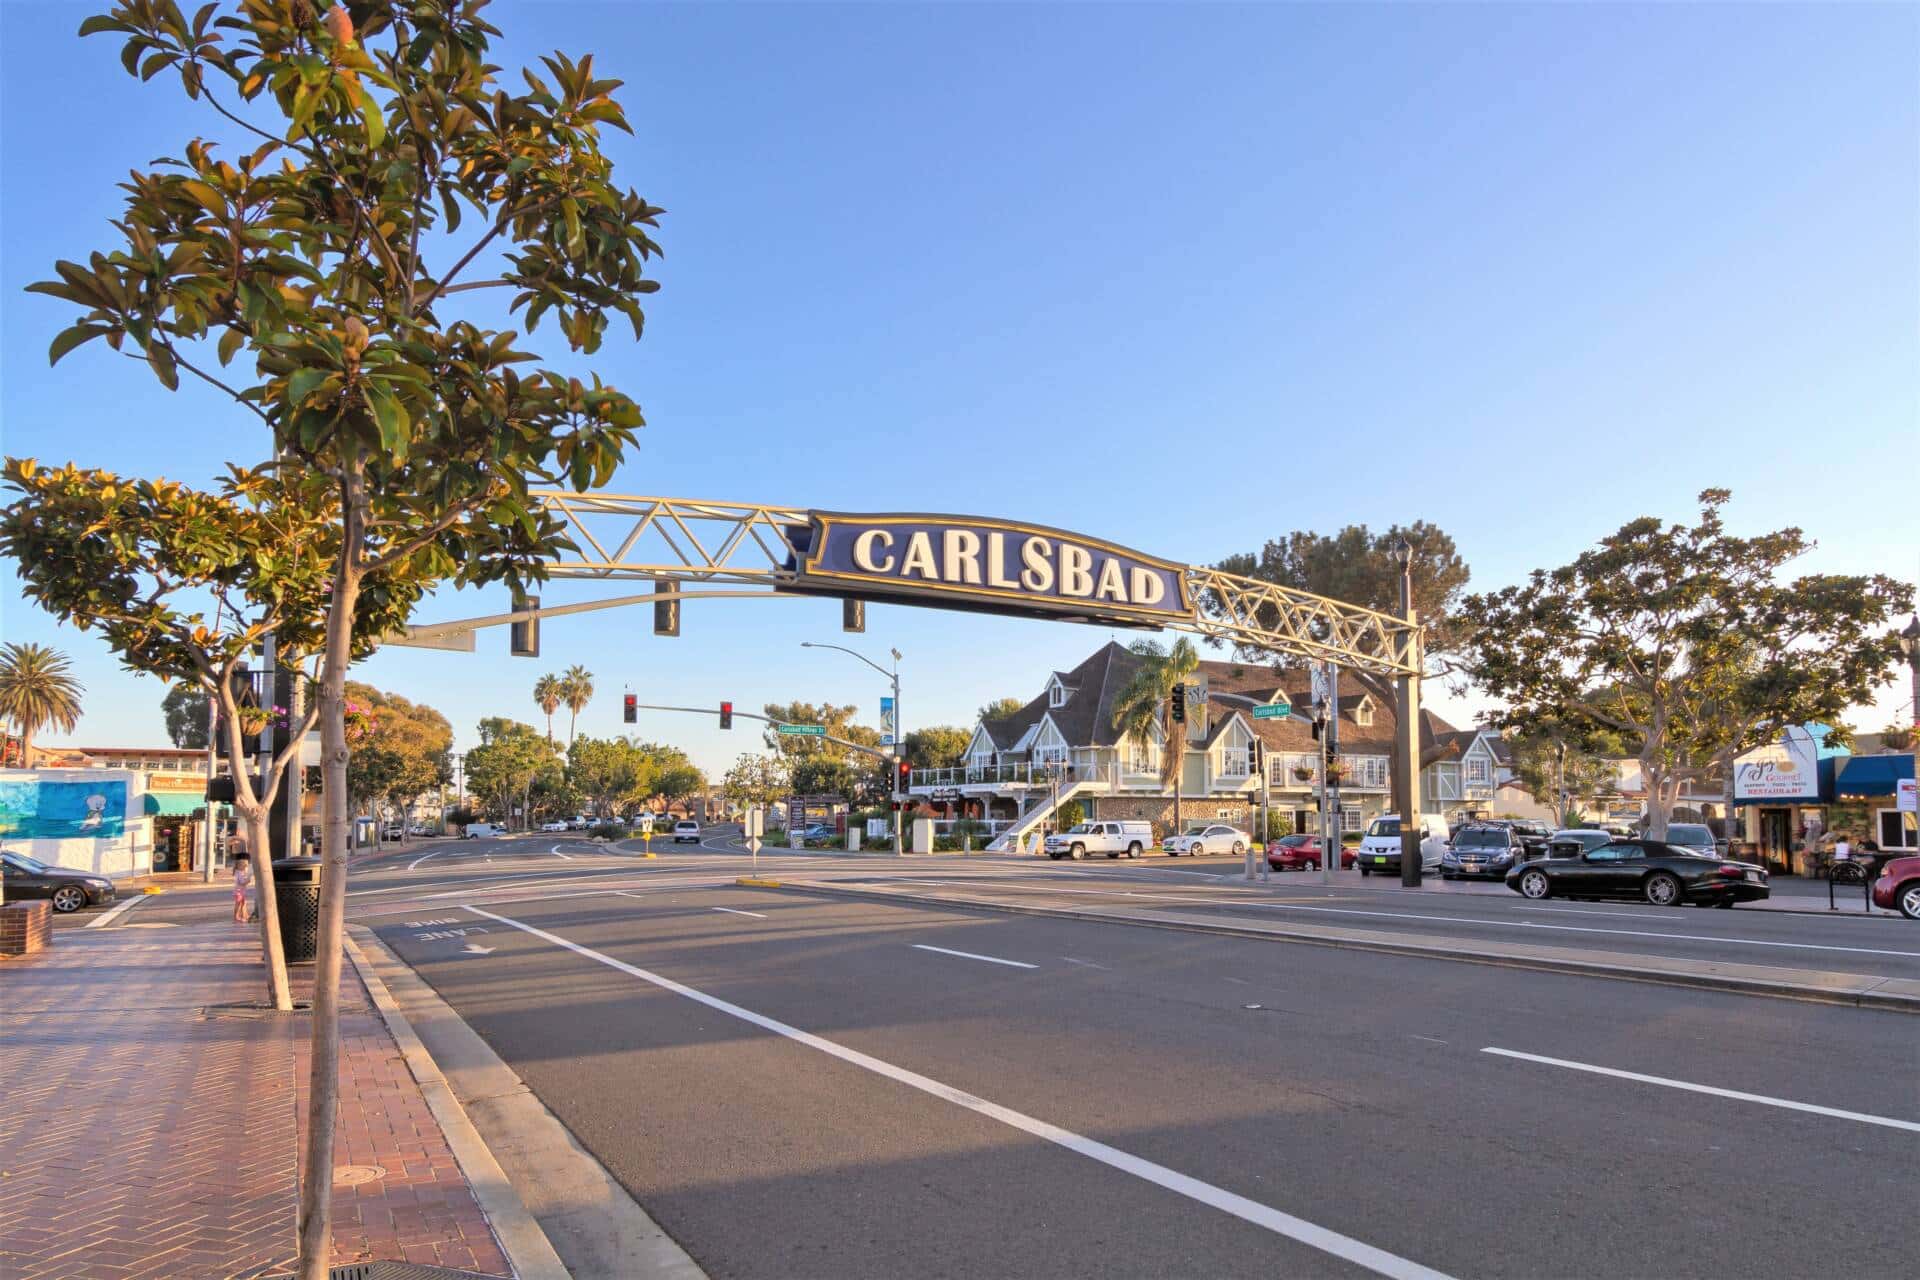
x=996, y=566
x=1273, y=711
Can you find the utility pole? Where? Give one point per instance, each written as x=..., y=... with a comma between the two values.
x=1329, y=760
x=899, y=738
x=1329, y=846
x=1406, y=773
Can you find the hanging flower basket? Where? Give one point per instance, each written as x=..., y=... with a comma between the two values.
x=1303, y=772
x=1334, y=774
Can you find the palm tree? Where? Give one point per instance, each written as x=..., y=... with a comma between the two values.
x=548, y=694
x=37, y=689
x=576, y=690
x=1147, y=700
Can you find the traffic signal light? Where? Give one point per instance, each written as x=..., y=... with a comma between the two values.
x=1256, y=756
x=666, y=613
x=903, y=774
x=630, y=706
x=1180, y=704
x=853, y=615
x=726, y=715
x=524, y=642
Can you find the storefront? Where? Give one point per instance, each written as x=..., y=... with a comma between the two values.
x=1782, y=792
x=1869, y=785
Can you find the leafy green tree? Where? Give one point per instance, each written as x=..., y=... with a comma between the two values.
x=756, y=780
x=184, y=710
x=307, y=240
x=1359, y=566
x=609, y=773
x=1000, y=708
x=404, y=752
x=938, y=746
x=819, y=775
x=503, y=768
x=1146, y=702
x=138, y=562
x=1560, y=764
x=839, y=724
x=1685, y=641
x=576, y=690
x=37, y=689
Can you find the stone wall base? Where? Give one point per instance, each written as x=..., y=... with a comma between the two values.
x=25, y=927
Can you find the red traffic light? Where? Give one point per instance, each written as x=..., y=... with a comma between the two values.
x=629, y=707
x=726, y=715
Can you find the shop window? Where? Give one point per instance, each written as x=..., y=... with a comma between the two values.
x=1897, y=830
x=1350, y=818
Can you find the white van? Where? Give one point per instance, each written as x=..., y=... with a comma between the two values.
x=477, y=830
x=1110, y=838
x=1380, y=847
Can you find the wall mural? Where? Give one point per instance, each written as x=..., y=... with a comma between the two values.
x=37, y=810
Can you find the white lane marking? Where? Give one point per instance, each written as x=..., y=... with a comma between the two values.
x=1590, y=911
x=1357, y=1252
x=423, y=857
x=1429, y=1039
x=1887, y=1121
x=968, y=955
x=730, y=911
x=114, y=913
x=1085, y=964
x=555, y=851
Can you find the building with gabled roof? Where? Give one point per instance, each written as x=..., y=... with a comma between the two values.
x=1063, y=745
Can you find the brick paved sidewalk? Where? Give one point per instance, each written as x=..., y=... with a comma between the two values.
x=127, y=1148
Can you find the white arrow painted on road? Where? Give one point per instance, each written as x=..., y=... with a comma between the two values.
x=479, y=950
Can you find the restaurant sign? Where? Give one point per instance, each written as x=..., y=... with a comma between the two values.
x=992, y=566
x=1786, y=770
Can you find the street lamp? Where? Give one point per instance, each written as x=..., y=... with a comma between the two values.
x=899, y=736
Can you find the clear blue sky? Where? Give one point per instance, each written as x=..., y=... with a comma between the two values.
x=1186, y=277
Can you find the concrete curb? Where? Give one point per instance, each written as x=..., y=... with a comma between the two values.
x=1900, y=995
x=106, y=918
x=529, y=1252
x=588, y=1218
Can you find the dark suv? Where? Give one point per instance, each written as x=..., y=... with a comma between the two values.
x=1488, y=849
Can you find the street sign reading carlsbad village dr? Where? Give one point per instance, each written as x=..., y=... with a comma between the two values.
x=984, y=565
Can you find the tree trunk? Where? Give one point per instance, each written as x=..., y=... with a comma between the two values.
x=267, y=907
x=316, y=1175
x=1662, y=792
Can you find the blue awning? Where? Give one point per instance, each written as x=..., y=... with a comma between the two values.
x=1873, y=775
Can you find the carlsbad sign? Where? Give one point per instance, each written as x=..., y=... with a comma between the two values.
x=993, y=566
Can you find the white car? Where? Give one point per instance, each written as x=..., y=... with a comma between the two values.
x=556, y=825
x=1380, y=847
x=482, y=831
x=1085, y=839
x=1213, y=837
x=684, y=831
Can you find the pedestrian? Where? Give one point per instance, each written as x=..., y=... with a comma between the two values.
x=242, y=878
x=1842, y=848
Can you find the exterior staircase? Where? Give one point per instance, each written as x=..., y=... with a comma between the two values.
x=1015, y=837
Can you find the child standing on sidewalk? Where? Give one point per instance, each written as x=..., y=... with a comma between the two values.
x=242, y=877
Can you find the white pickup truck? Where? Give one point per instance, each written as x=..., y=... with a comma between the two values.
x=1111, y=838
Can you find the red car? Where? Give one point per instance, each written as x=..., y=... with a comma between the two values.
x=1302, y=853
x=1898, y=888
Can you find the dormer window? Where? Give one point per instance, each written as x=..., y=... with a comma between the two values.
x=1363, y=713
x=1056, y=693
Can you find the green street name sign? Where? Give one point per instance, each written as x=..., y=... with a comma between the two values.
x=1273, y=711
x=804, y=730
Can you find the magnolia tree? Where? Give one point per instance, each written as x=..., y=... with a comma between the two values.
x=186, y=585
x=363, y=169
x=1685, y=645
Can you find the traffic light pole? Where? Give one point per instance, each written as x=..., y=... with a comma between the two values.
x=899, y=735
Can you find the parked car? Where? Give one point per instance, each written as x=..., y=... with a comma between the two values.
x=1897, y=889
x=1303, y=853
x=817, y=831
x=1085, y=839
x=558, y=824
x=393, y=831
x=685, y=830
x=1380, y=848
x=1666, y=875
x=419, y=829
x=577, y=823
x=1213, y=837
x=1534, y=835
x=66, y=888
x=1695, y=836
x=481, y=830
x=1483, y=849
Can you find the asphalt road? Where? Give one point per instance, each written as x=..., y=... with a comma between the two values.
x=816, y=1086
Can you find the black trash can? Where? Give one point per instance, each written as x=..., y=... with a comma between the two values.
x=296, y=896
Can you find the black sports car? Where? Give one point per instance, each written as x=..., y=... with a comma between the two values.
x=69, y=890
x=1663, y=874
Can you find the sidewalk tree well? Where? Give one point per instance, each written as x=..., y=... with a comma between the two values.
x=364, y=168
x=186, y=584
x=1685, y=642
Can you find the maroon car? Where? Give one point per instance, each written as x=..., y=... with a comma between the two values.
x=1302, y=853
x=1898, y=888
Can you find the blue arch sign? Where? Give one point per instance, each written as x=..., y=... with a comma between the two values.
x=984, y=565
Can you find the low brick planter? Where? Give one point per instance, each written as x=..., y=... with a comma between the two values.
x=25, y=927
